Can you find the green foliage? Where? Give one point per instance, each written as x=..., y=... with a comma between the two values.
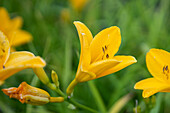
x=144, y=25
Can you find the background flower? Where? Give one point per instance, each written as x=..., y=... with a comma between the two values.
x=12, y=28
x=158, y=63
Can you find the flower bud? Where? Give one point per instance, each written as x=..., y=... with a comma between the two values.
x=31, y=95
x=54, y=77
x=42, y=75
x=56, y=99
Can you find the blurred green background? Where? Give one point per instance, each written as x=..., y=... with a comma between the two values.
x=144, y=24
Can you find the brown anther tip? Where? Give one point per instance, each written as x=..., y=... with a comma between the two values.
x=105, y=47
x=3, y=50
x=107, y=55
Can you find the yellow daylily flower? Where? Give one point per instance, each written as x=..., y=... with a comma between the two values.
x=97, y=54
x=78, y=5
x=158, y=63
x=12, y=29
x=31, y=95
x=11, y=63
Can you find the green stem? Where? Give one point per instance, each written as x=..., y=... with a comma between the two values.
x=60, y=92
x=70, y=100
x=97, y=97
x=81, y=106
x=42, y=76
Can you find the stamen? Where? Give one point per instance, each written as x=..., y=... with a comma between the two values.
x=166, y=71
x=103, y=49
x=107, y=55
x=3, y=67
x=102, y=57
x=166, y=68
x=3, y=50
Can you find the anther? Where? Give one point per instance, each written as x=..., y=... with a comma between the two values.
x=165, y=68
x=166, y=71
x=103, y=49
x=107, y=55
x=3, y=50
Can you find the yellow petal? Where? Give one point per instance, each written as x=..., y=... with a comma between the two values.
x=85, y=37
x=148, y=84
x=151, y=86
x=85, y=75
x=148, y=92
x=4, y=49
x=20, y=37
x=101, y=66
x=82, y=29
x=85, y=54
x=124, y=62
x=16, y=23
x=105, y=43
x=18, y=61
x=157, y=60
x=95, y=69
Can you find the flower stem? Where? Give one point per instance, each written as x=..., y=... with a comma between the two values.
x=81, y=106
x=56, y=89
x=71, y=87
x=70, y=100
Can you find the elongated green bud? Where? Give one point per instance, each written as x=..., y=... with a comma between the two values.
x=43, y=77
x=54, y=77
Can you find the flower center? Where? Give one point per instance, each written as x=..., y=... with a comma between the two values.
x=166, y=71
x=105, y=55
